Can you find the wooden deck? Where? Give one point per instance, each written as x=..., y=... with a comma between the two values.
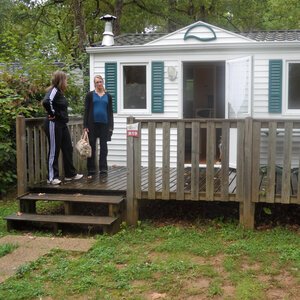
x=266, y=163
x=115, y=182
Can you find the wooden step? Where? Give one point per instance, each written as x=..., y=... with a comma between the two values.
x=104, y=222
x=101, y=199
x=114, y=202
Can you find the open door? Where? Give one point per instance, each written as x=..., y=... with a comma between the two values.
x=238, y=97
x=203, y=97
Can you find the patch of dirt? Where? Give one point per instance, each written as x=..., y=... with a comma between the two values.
x=278, y=287
x=228, y=291
x=198, y=284
x=30, y=248
x=275, y=294
x=156, y=296
x=253, y=267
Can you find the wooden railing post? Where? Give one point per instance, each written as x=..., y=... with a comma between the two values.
x=131, y=201
x=21, y=155
x=247, y=207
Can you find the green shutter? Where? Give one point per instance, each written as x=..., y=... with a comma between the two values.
x=111, y=82
x=275, y=86
x=157, y=87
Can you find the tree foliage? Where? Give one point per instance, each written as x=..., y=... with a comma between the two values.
x=39, y=36
x=21, y=93
x=61, y=29
x=17, y=96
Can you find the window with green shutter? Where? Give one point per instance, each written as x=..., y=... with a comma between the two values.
x=275, y=86
x=157, y=88
x=293, y=86
x=111, y=80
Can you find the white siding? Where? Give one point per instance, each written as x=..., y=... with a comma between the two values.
x=117, y=147
x=260, y=105
x=173, y=89
x=261, y=82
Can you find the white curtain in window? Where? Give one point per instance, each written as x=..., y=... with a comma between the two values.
x=238, y=87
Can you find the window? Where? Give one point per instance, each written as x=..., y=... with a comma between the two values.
x=134, y=87
x=294, y=85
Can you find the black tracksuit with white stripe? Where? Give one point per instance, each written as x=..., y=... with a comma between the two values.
x=58, y=133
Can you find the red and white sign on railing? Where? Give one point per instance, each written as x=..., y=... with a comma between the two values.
x=133, y=129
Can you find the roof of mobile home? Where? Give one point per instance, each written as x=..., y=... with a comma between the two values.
x=199, y=35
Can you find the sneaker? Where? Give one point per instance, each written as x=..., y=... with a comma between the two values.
x=55, y=181
x=76, y=177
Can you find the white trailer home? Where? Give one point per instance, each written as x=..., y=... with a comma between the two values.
x=199, y=71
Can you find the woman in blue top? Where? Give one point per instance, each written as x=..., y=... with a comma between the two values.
x=98, y=122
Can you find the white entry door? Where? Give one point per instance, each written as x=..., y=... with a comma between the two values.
x=237, y=97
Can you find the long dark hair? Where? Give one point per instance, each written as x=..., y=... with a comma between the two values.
x=59, y=80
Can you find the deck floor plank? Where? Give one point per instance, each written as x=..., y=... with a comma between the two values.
x=116, y=181
x=104, y=199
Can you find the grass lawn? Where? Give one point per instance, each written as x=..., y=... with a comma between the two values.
x=170, y=260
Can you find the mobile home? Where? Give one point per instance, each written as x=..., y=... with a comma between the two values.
x=199, y=71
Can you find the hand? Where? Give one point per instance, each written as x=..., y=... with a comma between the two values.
x=86, y=130
x=51, y=117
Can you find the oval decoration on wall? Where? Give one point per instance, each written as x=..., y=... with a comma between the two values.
x=190, y=35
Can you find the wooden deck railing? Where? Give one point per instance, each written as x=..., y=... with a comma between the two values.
x=267, y=162
x=168, y=161
x=32, y=149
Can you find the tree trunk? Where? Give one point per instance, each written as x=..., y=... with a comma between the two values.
x=79, y=23
x=171, y=24
x=118, y=13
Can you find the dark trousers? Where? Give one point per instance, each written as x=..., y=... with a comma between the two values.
x=100, y=131
x=59, y=139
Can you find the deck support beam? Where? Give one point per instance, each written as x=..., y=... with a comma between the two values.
x=132, y=211
x=21, y=155
x=247, y=207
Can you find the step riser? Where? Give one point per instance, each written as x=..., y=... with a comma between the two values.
x=30, y=207
x=110, y=224
x=59, y=227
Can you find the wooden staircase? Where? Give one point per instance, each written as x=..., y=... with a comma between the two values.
x=112, y=205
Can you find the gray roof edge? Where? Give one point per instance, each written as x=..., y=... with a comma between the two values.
x=254, y=35
x=227, y=46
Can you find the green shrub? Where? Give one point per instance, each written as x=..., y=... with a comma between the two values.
x=20, y=93
x=12, y=103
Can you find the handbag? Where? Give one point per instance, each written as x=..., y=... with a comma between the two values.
x=83, y=146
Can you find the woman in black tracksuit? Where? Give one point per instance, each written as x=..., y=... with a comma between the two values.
x=57, y=131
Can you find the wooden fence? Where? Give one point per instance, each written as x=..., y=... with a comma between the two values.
x=267, y=162
x=32, y=149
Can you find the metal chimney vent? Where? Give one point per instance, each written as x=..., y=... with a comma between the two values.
x=108, y=36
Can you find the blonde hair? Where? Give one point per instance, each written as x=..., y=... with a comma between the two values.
x=59, y=80
x=99, y=77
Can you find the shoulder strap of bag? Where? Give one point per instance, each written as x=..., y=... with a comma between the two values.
x=85, y=136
